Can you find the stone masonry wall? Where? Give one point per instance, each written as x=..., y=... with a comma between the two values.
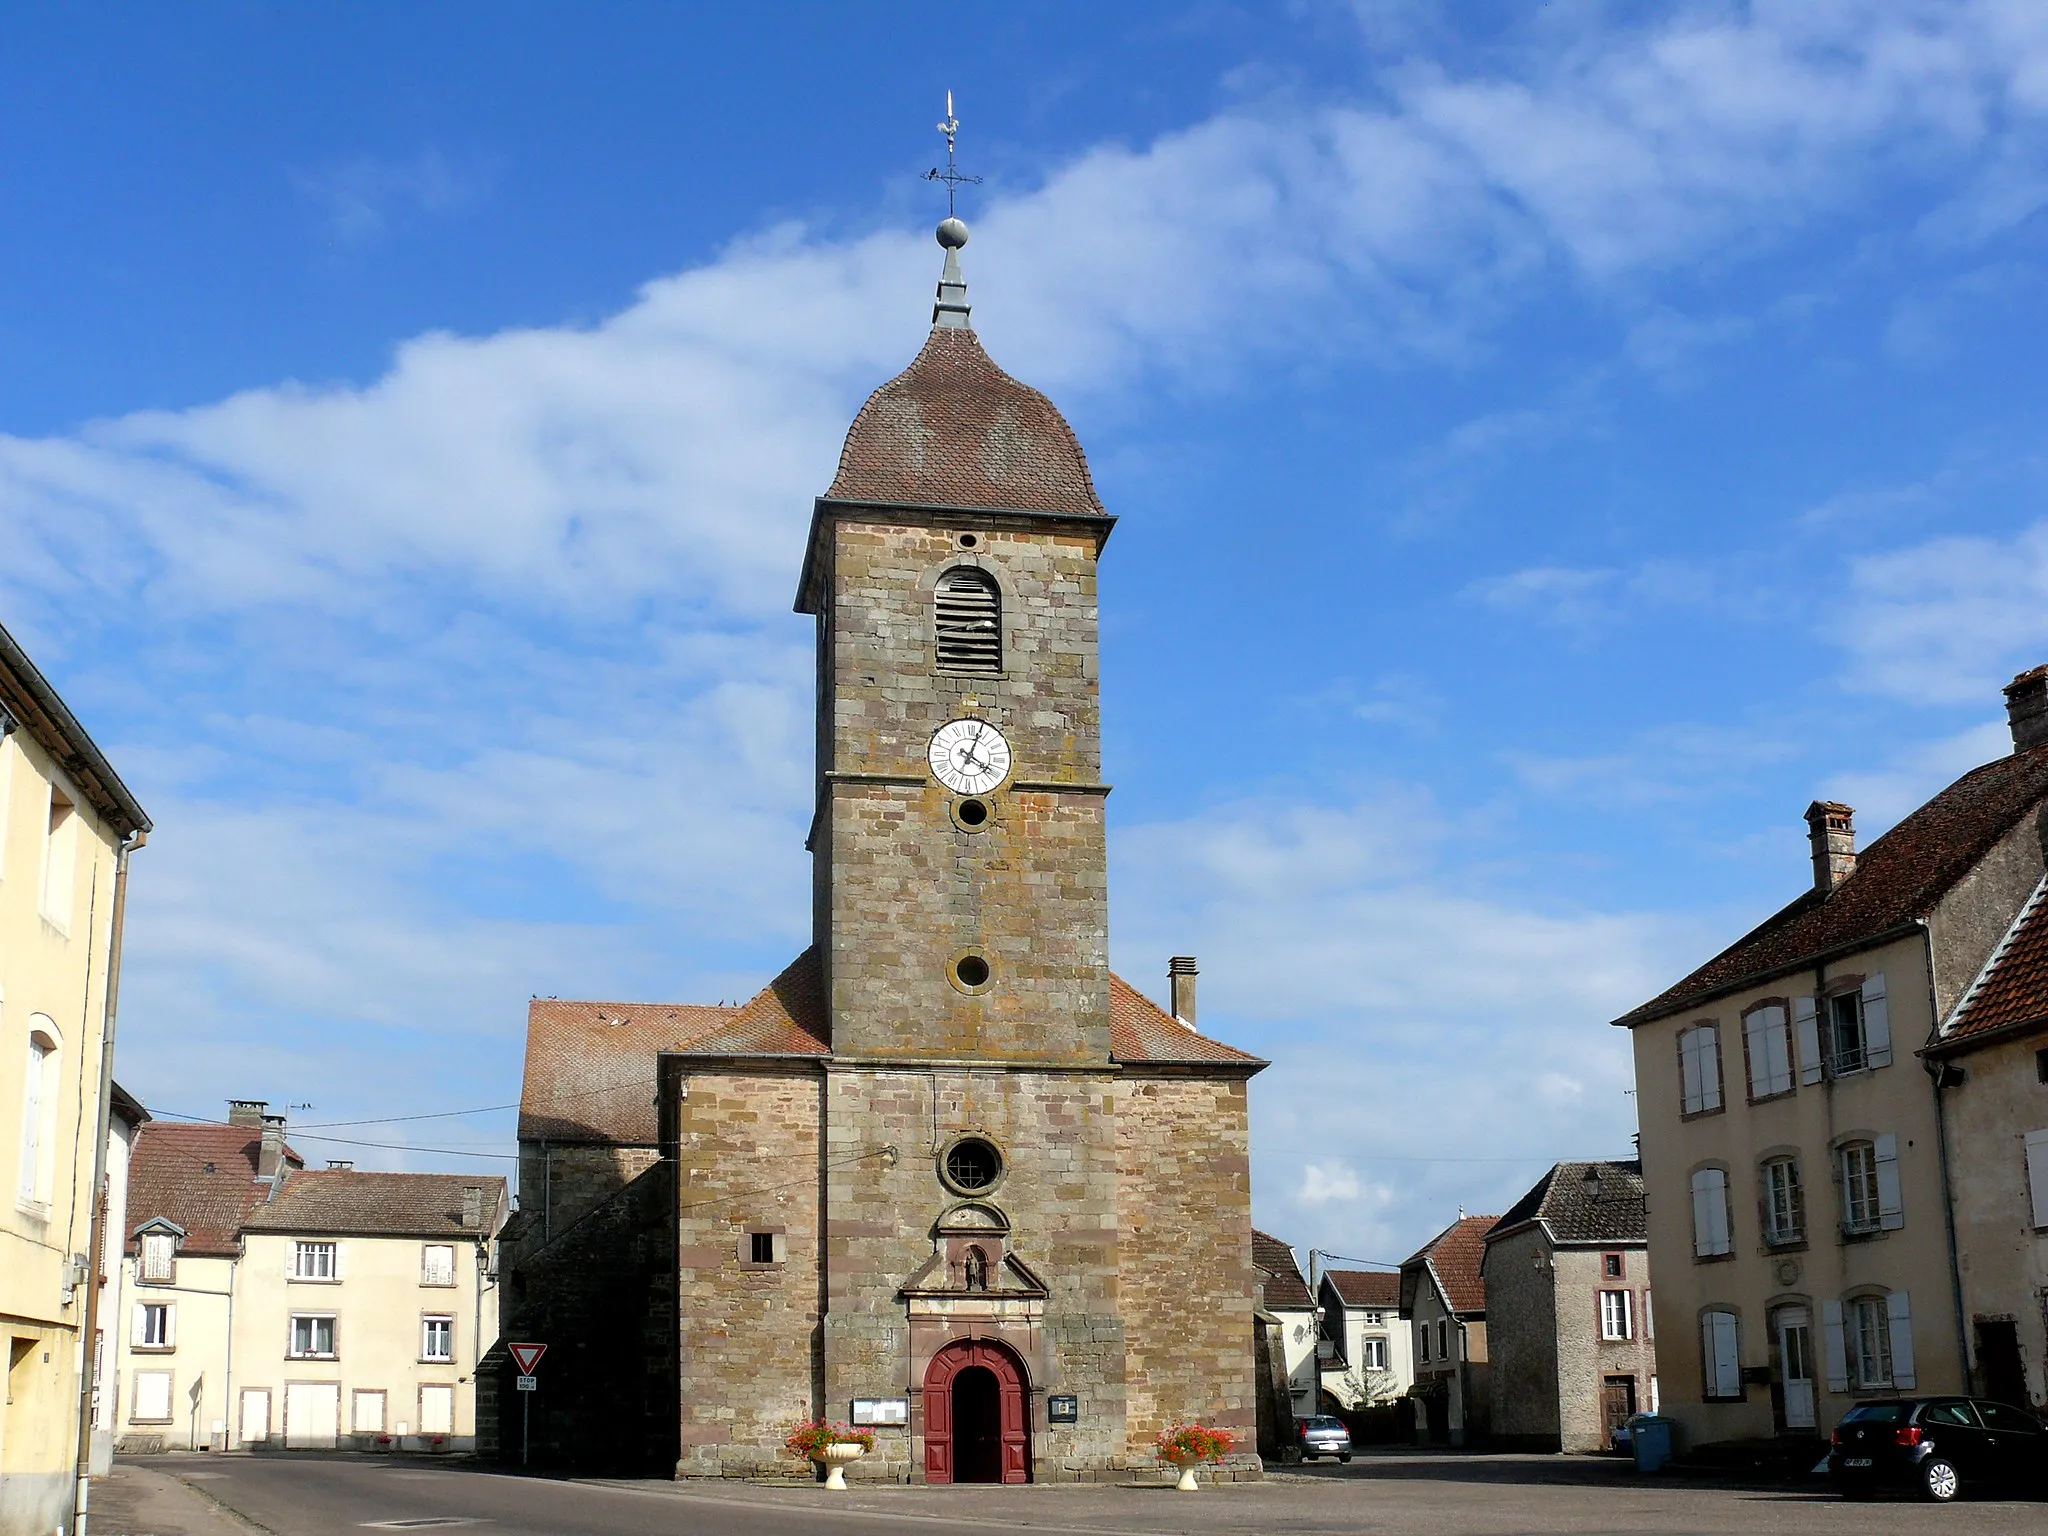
x=1585, y=1359
x=560, y=1185
x=1185, y=1268
x=747, y=1162
x=1056, y=1132
x=1522, y=1335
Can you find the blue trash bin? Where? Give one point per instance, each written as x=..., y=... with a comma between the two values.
x=1650, y=1436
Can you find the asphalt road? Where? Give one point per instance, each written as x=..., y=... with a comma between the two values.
x=1400, y=1495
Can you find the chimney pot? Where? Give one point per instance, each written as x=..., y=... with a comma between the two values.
x=1831, y=830
x=2026, y=709
x=270, y=1157
x=246, y=1111
x=1180, y=985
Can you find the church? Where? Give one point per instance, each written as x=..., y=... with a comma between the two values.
x=946, y=1176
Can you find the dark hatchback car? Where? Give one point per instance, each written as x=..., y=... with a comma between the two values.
x=1937, y=1447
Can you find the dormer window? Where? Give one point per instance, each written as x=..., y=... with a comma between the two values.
x=159, y=1257
x=967, y=621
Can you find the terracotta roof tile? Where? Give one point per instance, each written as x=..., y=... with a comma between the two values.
x=344, y=1202
x=2012, y=992
x=1283, y=1284
x=785, y=1018
x=1900, y=877
x=590, y=1066
x=1559, y=1198
x=1141, y=1031
x=1453, y=1256
x=1366, y=1287
x=168, y=1176
x=954, y=430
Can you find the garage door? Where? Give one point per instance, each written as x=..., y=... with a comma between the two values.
x=312, y=1414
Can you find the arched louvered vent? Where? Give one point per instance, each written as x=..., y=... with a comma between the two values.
x=969, y=621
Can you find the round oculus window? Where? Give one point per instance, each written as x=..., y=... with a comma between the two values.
x=971, y=813
x=968, y=541
x=972, y=1164
x=971, y=971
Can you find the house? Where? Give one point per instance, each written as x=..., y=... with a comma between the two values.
x=1569, y=1345
x=67, y=827
x=1366, y=1358
x=1800, y=1188
x=1443, y=1301
x=125, y=1120
x=1287, y=1321
x=271, y=1305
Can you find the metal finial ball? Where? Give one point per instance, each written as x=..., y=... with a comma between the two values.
x=952, y=234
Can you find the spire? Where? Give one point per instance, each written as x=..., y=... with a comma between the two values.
x=951, y=310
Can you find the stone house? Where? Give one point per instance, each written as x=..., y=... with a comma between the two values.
x=1443, y=1301
x=1568, y=1333
x=1799, y=1196
x=269, y=1305
x=67, y=827
x=1366, y=1357
x=1287, y=1342
x=945, y=1172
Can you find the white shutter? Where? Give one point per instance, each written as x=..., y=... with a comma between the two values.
x=1891, y=1205
x=1718, y=1346
x=1709, y=1213
x=152, y=1397
x=1877, y=1023
x=1901, y=1309
x=137, y=1333
x=1834, y=1346
x=170, y=1325
x=1691, y=1099
x=1810, y=1068
x=2037, y=1174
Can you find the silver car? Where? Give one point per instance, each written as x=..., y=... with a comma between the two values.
x=1325, y=1436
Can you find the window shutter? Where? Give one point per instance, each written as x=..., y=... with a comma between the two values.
x=136, y=1334
x=1891, y=1205
x=1834, y=1346
x=1702, y=1215
x=171, y=1325
x=968, y=621
x=1688, y=1074
x=1803, y=1017
x=1901, y=1308
x=1718, y=1347
x=1877, y=1023
x=2037, y=1174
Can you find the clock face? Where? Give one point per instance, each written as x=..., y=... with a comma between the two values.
x=969, y=757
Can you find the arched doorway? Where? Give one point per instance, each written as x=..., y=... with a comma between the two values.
x=976, y=1429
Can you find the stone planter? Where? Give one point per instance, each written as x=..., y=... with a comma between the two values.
x=837, y=1458
x=1187, y=1465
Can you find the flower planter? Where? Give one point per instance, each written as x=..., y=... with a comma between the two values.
x=837, y=1458
x=1187, y=1465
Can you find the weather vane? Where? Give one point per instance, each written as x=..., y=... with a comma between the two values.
x=951, y=175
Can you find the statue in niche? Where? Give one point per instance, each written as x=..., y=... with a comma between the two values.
x=977, y=1269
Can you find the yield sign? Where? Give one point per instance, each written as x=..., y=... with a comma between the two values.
x=527, y=1356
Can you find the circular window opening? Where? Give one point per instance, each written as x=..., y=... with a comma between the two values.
x=972, y=971
x=973, y=1164
x=973, y=813
x=969, y=541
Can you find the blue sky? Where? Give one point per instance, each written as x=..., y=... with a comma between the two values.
x=1552, y=446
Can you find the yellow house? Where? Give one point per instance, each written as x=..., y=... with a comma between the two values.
x=67, y=825
x=271, y=1305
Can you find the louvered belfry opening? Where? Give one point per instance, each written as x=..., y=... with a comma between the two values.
x=969, y=621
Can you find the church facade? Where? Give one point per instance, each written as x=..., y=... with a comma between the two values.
x=946, y=1173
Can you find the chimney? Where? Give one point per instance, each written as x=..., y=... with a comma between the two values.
x=2026, y=709
x=1180, y=986
x=270, y=1159
x=472, y=1208
x=246, y=1111
x=1831, y=829
x=340, y=1165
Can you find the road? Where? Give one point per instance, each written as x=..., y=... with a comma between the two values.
x=1408, y=1494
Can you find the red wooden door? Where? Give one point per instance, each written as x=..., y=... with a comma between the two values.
x=940, y=1461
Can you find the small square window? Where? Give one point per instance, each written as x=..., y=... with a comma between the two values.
x=315, y=1261
x=1610, y=1265
x=437, y=1264
x=761, y=1247
x=312, y=1337
x=437, y=1338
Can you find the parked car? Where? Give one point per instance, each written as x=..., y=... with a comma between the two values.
x=1324, y=1436
x=1938, y=1447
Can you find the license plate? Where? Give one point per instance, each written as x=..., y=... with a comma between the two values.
x=1857, y=1461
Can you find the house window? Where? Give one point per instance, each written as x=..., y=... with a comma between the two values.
x=150, y=1401
x=1422, y=1344
x=967, y=621
x=312, y=1336
x=315, y=1261
x=437, y=1264
x=1611, y=1265
x=60, y=859
x=1443, y=1338
x=1870, y=1342
x=1711, y=1235
x=1859, y=1032
x=153, y=1325
x=159, y=1257
x=39, y=1116
x=1617, y=1318
x=1869, y=1175
x=2037, y=1176
x=761, y=1247
x=1699, y=1068
x=1375, y=1354
x=1767, y=1042
x=437, y=1338
x=1720, y=1355
x=1375, y=1319
x=1784, y=1202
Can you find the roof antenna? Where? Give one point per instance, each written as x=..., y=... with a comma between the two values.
x=950, y=312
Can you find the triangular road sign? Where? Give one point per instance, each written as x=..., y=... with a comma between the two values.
x=527, y=1356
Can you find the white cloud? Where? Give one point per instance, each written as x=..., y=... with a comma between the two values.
x=1320, y=1186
